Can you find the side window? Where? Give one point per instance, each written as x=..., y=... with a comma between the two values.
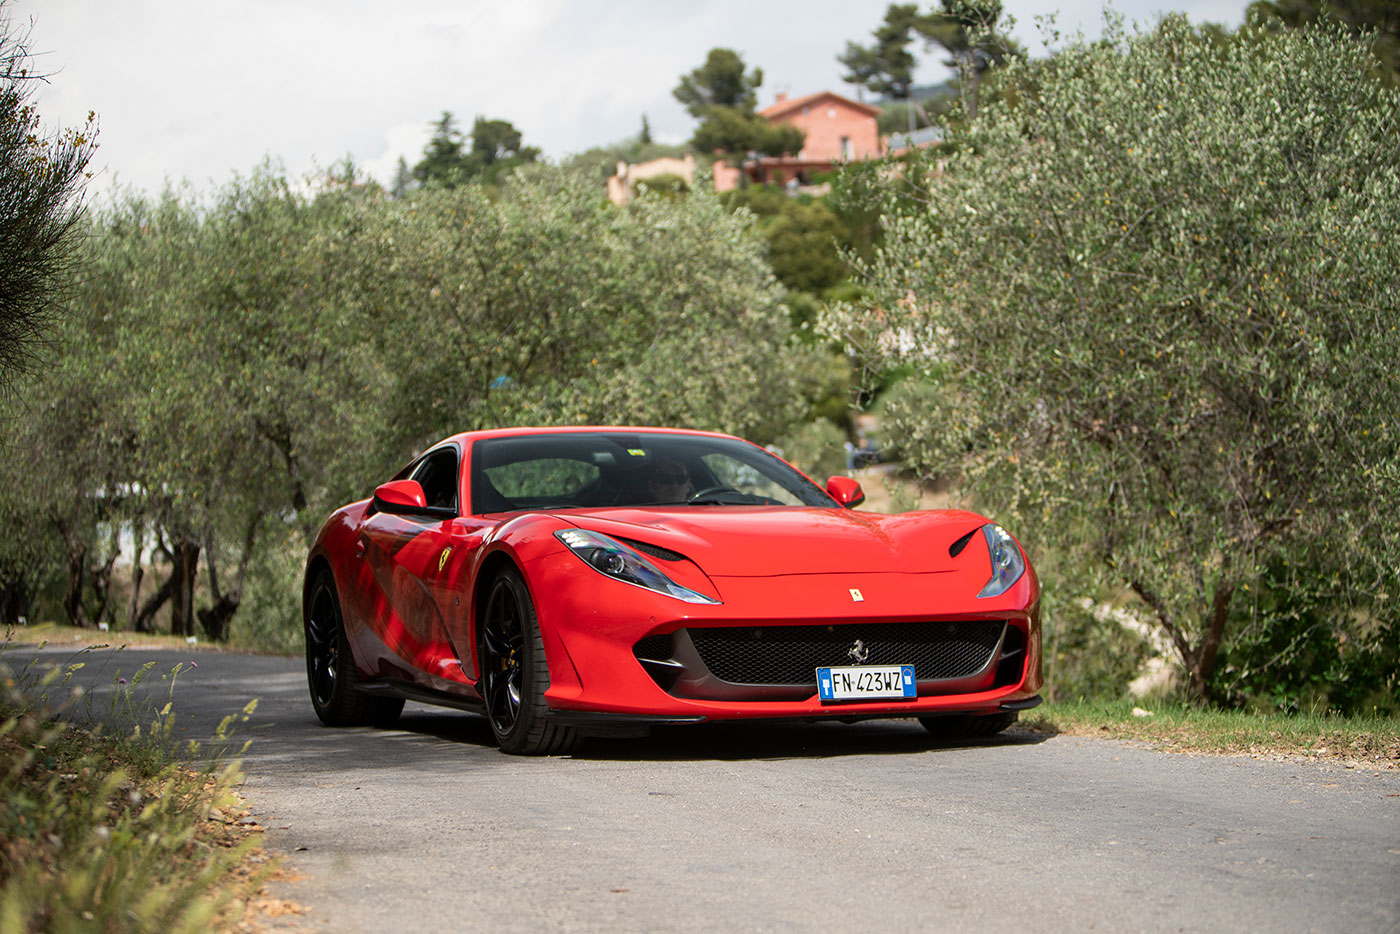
x=437, y=474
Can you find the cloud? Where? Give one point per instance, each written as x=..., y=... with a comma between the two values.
x=200, y=90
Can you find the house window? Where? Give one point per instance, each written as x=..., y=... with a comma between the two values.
x=831, y=113
x=845, y=147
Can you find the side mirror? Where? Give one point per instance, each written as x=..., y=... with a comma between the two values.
x=400, y=496
x=845, y=491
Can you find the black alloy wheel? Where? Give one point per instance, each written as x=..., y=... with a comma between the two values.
x=515, y=673
x=330, y=668
x=322, y=647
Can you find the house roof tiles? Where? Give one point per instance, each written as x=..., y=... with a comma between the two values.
x=783, y=107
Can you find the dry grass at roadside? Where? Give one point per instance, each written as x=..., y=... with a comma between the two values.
x=65, y=636
x=106, y=830
x=1366, y=742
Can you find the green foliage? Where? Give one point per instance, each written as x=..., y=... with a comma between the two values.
x=803, y=246
x=551, y=306
x=1164, y=289
x=269, y=619
x=41, y=181
x=722, y=97
x=738, y=133
x=886, y=66
x=1088, y=654
x=1377, y=20
x=666, y=184
x=971, y=31
x=496, y=149
x=906, y=400
x=443, y=156
x=720, y=82
x=805, y=236
x=817, y=449
x=1292, y=655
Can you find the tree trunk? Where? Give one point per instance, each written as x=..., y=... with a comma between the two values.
x=215, y=620
x=183, y=569
x=73, y=592
x=142, y=621
x=102, y=586
x=137, y=572
x=76, y=551
x=1203, y=666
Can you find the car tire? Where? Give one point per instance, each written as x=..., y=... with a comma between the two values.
x=515, y=673
x=968, y=726
x=330, y=667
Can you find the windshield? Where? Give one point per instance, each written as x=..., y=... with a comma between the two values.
x=590, y=469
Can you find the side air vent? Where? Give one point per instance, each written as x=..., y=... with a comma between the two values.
x=956, y=548
x=654, y=551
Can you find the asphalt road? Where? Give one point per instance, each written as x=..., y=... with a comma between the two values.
x=832, y=828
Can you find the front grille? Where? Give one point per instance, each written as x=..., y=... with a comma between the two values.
x=791, y=654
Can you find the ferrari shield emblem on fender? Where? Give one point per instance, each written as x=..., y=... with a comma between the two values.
x=442, y=559
x=856, y=596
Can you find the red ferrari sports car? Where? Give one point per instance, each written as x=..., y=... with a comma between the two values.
x=567, y=582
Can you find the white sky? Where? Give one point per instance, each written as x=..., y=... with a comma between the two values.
x=199, y=89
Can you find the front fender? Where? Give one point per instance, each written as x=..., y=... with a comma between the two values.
x=525, y=541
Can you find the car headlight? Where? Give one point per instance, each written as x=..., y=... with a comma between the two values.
x=1007, y=562
x=611, y=558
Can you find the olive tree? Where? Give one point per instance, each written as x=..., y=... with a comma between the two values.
x=41, y=181
x=1157, y=288
x=550, y=305
x=237, y=366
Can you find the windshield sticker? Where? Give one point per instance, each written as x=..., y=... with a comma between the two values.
x=636, y=452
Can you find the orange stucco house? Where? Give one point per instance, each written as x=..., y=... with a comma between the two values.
x=838, y=130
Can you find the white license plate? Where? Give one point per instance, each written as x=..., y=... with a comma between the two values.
x=866, y=682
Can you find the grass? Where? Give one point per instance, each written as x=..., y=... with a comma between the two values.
x=1368, y=741
x=60, y=634
x=104, y=829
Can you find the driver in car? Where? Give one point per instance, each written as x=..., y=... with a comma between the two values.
x=668, y=482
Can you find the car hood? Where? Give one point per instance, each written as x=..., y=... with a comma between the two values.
x=749, y=541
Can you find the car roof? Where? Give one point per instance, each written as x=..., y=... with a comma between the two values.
x=467, y=437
